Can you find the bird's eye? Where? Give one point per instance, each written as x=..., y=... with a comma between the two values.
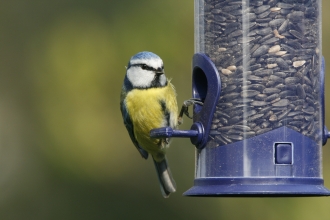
x=144, y=66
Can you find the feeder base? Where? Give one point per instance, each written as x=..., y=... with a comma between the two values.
x=258, y=187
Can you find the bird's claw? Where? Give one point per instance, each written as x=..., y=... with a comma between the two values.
x=185, y=107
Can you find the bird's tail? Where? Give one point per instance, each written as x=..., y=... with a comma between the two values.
x=167, y=183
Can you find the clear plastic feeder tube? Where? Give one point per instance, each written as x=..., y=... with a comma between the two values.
x=268, y=54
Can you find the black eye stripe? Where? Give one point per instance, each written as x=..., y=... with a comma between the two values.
x=145, y=67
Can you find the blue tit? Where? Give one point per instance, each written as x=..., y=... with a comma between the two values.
x=148, y=101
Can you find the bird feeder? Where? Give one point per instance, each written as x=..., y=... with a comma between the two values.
x=259, y=71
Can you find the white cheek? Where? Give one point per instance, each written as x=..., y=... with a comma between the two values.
x=140, y=78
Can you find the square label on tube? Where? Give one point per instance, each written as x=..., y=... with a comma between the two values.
x=283, y=153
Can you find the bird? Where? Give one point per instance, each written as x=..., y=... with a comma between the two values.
x=148, y=101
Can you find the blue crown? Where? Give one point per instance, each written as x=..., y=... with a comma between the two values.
x=145, y=55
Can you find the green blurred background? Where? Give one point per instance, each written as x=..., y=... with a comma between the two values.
x=64, y=152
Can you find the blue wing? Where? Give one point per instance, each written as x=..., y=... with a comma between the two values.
x=129, y=126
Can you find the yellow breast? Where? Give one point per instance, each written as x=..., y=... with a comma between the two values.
x=146, y=112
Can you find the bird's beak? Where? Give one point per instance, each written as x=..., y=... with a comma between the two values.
x=160, y=71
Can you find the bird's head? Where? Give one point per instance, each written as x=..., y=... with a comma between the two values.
x=146, y=70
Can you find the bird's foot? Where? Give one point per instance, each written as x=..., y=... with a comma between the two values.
x=185, y=107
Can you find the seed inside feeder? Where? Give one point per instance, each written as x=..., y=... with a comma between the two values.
x=267, y=54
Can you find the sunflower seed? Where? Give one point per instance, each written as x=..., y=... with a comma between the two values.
x=291, y=80
x=284, y=5
x=300, y=91
x=226, y=72
x=298, y=63
x=261, y=51
x=274, y=49
x=261, y=9
x=259, y=103
x=281, y=102
x=249, y=93
x=271, y=90
x=309, y=110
